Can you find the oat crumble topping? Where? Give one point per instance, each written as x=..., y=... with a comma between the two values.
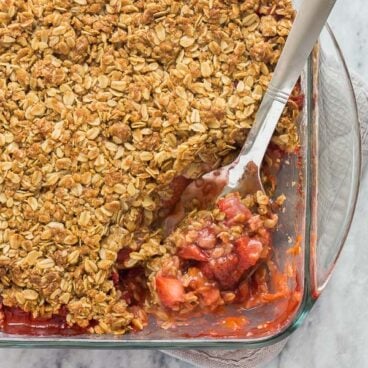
x=102, y=104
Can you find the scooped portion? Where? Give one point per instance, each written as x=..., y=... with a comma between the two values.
x=218, y=256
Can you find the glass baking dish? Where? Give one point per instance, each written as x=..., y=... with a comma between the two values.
x=321, y=184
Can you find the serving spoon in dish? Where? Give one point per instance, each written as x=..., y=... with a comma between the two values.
x=243, y=175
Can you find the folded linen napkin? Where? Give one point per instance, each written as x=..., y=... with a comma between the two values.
x=251, y=358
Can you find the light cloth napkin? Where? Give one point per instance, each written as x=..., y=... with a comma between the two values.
x=361, y=94
x=251, y=358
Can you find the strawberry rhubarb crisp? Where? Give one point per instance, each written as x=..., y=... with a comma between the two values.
x=108, y=109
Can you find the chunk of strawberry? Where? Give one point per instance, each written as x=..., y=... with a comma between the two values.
x=192, y=252
x=224, y=270
x=248, y=251
x=206, y=269
x=235, y=211
x=170, y=291
x=210, y=296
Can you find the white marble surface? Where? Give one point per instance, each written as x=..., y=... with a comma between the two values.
x=336, y=332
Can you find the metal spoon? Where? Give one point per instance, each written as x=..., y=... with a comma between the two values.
x=243, y=175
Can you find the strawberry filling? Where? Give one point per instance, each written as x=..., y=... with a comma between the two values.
x=170, y=291
x=19, y=322
x=235, y=211
x=220, y=254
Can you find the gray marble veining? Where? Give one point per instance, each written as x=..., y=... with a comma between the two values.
x=336, y=332
x=23, y=358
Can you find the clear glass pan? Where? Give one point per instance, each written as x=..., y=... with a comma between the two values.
x=319, y=209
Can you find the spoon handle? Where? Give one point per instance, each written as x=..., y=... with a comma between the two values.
x=304, y=33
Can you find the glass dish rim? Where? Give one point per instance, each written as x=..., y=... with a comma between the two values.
x=309, y=298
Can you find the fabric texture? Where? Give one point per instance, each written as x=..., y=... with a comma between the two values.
x=361, y=94
x=251, y=358
x=245, y=358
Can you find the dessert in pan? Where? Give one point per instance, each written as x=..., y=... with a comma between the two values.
x=108, y=111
